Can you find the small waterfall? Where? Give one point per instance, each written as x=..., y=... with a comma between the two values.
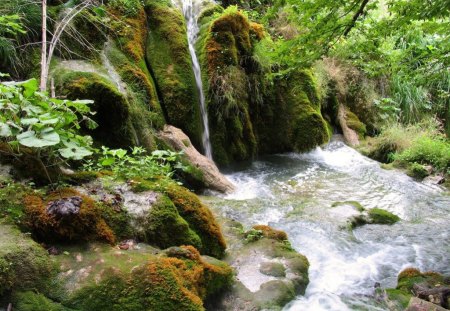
x=191, y=11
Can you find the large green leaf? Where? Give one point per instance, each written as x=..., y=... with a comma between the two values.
x=29, y=87
x=47, y=137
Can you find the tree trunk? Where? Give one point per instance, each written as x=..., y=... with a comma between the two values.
x=44, y=74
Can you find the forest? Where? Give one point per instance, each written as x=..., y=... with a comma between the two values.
x=224, y=155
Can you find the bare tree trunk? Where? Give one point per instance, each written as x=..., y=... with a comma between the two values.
x=44, y=74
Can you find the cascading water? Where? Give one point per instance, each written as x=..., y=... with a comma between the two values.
x=191, y=11
x=296, y=192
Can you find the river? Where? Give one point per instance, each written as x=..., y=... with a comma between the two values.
x=295, y=192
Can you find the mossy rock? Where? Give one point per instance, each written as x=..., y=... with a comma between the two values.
x=24, y=265
x=355, y=124
x=111, y=107
x=417, y=171
x=383, y=217
x=161, y=283
x=32, y=301
x=170, y=63
x=163, y=226
x=85, y=225
x=200, y=220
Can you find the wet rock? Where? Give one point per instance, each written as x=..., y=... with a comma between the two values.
x=179, y=141
x=53, y=251
x=127, y=244
x=434, y=180
x=438, y=294
x=417, y=304
x=269, y=273
x=275, y=269
x=65, y=206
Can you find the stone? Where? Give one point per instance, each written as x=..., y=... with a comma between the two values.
x=65, y=206
x=275, y=269
x=212, y=178
x=417, y=304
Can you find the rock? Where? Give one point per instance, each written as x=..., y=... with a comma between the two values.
x=434, y=180
x=374, y=216
x=65, y=206
x=350, y=135
x=438, y=294
x=179, y=141
x=24, y=265
x=417, y=304
x=275, y=269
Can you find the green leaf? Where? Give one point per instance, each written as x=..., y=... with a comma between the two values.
x=29, y=121
x=74, y=152
x=30, y=87
x=48, y=137
x=107, y=161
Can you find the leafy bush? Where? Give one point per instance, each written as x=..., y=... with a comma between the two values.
x=138, y=164
x=44, y=128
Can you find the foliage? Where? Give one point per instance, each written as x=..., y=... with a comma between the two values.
x=127, y=7
x=138, y=164
x=44, y=128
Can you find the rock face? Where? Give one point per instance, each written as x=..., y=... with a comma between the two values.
x=350, y=135
x=176, y=139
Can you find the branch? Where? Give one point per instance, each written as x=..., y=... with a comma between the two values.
x=355, y=17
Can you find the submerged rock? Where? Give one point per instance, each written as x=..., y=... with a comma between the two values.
x=212, y=178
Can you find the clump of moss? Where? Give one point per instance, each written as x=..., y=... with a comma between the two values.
x=271, y=233
x=163, y=283
x=355, y=204
x=417, y=170
x=85, y=225
x=355, y=124
x=164, y=226
x=32, y=301
x=200, y=219
x=24, y=265
x=380, y=216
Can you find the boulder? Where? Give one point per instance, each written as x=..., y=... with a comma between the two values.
x=417, y=304
x=212, y=178
x=350, y=135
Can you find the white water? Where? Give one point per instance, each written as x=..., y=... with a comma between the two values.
x=294, y=192
x=191, y=11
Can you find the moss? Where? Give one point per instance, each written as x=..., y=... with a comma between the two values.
x=165, y=227
x=86, y=225
x=118, y=219
x=355, y=204
x=111, y=107
x=32, y=301
x=417, y=170
x=162, y=283
x=380, y=216
x=271, y=233
x=168, y=56
x=24, y=265
x=355, y=124
x=399, y=296
x=81, y=177
x=200, y=219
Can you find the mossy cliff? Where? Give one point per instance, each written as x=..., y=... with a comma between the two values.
x=250, y=113
x=167, y=54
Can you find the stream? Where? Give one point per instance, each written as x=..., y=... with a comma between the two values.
x=295, y=192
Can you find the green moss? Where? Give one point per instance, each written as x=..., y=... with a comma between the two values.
x=32, y=301
x=24, y=265
x=118, y=219
x=200, y=219
x=417, y=170
x=355, y=204
x=165, y=227
x=168, y=56
x=111, y=107
x=355, y=124
x=380, y=216
x=159, y=284
x=399, y=296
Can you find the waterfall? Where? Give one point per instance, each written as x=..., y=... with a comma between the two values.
x=191, y=11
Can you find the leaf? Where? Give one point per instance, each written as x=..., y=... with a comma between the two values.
x=29, y=121
x=107, y=161
x=74, y=152
x=30, y=87
x=5, y=130
x=48, y=137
